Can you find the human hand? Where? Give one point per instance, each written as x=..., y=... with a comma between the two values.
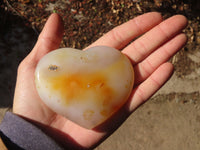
x=149, y=55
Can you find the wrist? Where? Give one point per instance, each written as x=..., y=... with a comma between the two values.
x=24, y=134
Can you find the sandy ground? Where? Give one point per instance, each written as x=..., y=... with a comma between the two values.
x=170, y=120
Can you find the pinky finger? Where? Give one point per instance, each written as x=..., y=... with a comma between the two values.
x=151, y=85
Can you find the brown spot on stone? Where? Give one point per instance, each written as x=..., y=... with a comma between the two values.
x=88, y=114
x=53, y=68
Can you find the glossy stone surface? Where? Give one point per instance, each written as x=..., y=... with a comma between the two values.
x=86, y=87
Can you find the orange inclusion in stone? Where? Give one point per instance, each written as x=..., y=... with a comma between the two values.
x=80, y=87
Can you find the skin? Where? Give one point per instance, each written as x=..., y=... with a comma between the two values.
x=149, y=54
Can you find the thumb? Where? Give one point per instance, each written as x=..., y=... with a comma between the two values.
x=49, y=39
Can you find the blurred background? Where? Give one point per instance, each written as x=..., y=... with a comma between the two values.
x=170, y=120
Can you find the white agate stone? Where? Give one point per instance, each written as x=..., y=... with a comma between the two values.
x=86, y=87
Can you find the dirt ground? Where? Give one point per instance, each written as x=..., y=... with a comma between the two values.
x=170, y=120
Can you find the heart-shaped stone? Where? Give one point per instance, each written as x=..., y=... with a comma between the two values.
x=86, y=87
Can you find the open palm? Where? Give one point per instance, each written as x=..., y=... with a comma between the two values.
x=149, y=54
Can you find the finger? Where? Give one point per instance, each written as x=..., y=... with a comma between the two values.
x=146, y=44
x=120, y=36
x=151, y=85
x=163, y=54
x=49, y=38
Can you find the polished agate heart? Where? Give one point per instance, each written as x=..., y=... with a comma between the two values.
x=86, y=87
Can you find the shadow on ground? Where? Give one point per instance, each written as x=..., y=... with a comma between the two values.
x=16, y=41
